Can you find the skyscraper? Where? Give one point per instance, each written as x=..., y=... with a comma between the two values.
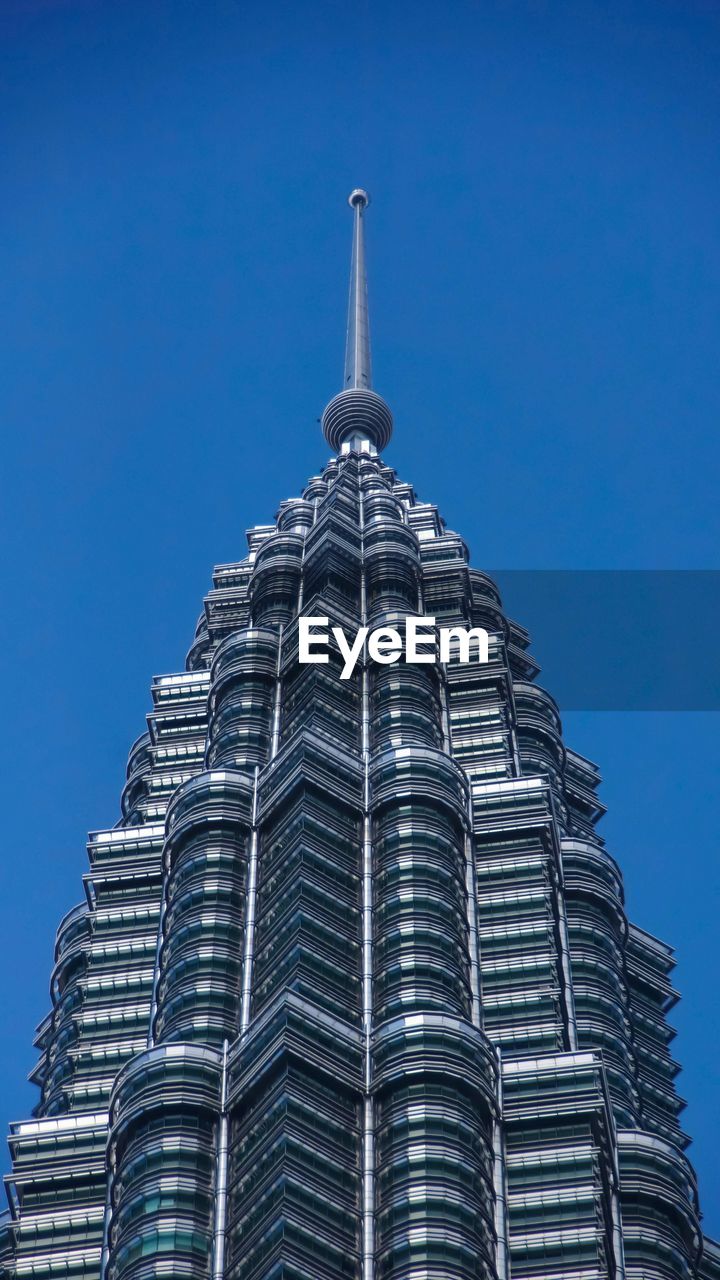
x=353, y=992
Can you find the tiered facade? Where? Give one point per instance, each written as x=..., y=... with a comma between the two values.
x=353, y=995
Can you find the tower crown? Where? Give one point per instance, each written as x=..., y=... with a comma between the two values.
x=357, y=418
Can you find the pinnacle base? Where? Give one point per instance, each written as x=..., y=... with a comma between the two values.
x=357, y=411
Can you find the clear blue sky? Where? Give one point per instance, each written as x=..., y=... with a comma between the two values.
x=545, y=276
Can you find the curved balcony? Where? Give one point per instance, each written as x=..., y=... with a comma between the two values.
x=163, y=1077
x=419, y=773
x=296, y=515
x=538, y=702
x=241, y=727
x=198, y=657
x=216, y=797
x=72, y=943
x=406, y=706
x=201, y=959
x=542, y=751
x=410, y=724
x=140, y=756
x=55, y=1090
x=66, y=990
x=438, y=1046
x=134, y=793
x=435, y=1103
x=315, y=489
x=66, y=1007
x=74, y=927
x=391, y=536
x=275, y=580
x=208, y=822
x=420, y=920
x=163, y=1111
x=658, y=1195
x=421, y=939
x=241, y=699
x=392, y=567
x=538, y=724
x=485, y=588
x=57, y=1065
x=487, y=610
x=380, y=503
x=252, y=651
x=590, y=862
x=597, y=932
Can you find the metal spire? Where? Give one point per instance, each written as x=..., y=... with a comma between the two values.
x=358, y=368
x=357, y=418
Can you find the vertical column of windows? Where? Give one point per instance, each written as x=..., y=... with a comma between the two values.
x=244, y=676
x=295, y=1084
x=658, y=1194
x=560, y=1169
x=421, y=954
x=308, y=914
x=524, y=1001
x=207, y=827
x=649, y=965
x=581, y=780
x=56, y=1193
x=61, y=1030
x=165, y=1106
x=434, y=1082
x=163, y=1114
x=597, y=930
x=540, y=744
x=294, y=1185
x=433, y=1076
x=113, y=969
x=210, y=819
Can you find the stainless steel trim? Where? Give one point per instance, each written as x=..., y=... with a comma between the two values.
x=250, y=908
x=221, y=1170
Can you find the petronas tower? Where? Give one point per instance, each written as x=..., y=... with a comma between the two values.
x=353, y=994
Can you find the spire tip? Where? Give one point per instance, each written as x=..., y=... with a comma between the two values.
x=358, y=197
